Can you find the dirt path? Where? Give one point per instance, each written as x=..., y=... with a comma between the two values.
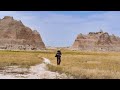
x=39, y=71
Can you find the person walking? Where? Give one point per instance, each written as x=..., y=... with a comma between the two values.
x=58, y=55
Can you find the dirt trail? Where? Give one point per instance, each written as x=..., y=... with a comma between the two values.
x=39, y=71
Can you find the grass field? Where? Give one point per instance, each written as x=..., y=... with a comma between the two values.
x=86, y=65
x=20, y=58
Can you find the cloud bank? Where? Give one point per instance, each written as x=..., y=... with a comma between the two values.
x=61, y=29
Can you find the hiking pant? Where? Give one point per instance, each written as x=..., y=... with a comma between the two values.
x=58, y=60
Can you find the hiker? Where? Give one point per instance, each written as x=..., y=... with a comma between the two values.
x=58, y=55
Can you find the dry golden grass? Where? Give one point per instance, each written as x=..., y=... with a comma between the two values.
x=21, y=58
x=86, y=65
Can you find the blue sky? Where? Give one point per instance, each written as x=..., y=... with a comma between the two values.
x=60, y=28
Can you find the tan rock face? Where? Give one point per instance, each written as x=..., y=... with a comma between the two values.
x=97, y=41
x=14, y=35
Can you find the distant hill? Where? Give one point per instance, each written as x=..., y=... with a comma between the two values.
x=97, y=41
x=14, y=35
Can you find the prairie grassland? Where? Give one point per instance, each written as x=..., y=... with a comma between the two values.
x=20, y=58
x=85, y=65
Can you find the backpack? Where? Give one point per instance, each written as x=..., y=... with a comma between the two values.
x=58, y=54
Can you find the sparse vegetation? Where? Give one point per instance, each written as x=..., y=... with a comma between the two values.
x=21, y=58
x=86, y=65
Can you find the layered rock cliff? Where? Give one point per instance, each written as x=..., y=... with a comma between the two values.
x=14, y=35
x=97, y=41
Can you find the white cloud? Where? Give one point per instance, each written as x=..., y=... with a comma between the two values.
x=61, y=30
x=67, y=27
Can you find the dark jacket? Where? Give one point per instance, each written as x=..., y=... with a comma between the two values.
x=58, y=54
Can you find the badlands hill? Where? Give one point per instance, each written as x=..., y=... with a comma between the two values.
x=97, y=41
x=16, y=36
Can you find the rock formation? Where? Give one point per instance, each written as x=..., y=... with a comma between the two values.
x=16, y=36
x=97, y=41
